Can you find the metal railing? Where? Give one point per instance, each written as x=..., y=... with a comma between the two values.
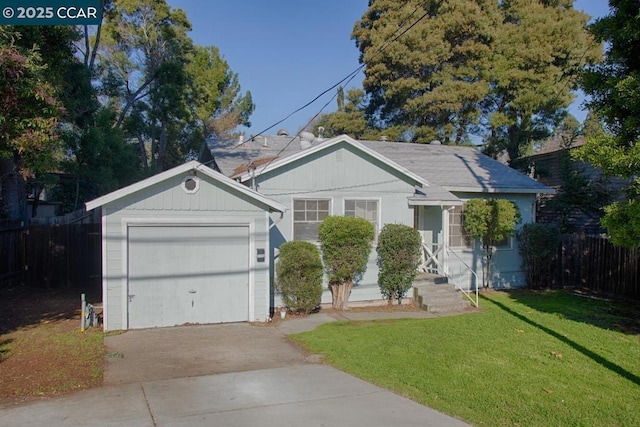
x=431, y=264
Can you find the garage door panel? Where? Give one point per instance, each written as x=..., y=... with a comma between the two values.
x=187, y=274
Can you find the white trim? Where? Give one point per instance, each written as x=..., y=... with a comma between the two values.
x=378, y=201
x=293, y=199
x=187, y=167
x=421, y=201
x=445, y=239
x=507, y=247
x=328, y=144
x=251, y=292
x=200, y=222
x=124, y=229
x=481, y=189
x=196, y=181
x=267, y=259
x=105, y=275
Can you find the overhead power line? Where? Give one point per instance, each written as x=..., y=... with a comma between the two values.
x=396, y=35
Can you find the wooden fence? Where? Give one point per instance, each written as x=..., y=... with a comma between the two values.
x=51, y=255
x=593, y=262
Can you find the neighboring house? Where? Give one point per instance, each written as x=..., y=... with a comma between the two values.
x=188, y=245
x=580, y=190
x=424, y=186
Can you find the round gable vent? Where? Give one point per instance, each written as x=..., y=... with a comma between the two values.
x=190, y=184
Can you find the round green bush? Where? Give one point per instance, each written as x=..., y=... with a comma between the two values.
x=299, y=276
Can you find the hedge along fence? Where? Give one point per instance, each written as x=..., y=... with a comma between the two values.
x=398, y=258
x=538, y=246
x=299, y=271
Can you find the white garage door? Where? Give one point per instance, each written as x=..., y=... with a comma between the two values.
x=187, y=274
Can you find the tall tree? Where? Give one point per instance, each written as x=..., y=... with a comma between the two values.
x=614, y=87
x=539, y=51
x=143, y=52
x=216, y=99
x=29, y=145
x=348, y=119
x=504, y=70
x=432, y=79
x=170, y=94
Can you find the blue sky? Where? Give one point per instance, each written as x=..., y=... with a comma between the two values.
x=289, y=51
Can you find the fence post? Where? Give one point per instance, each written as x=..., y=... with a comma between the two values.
x=83, y=305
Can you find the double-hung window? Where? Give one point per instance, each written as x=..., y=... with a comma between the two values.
x=457, y=239
x=307, y=216
x=367, y=209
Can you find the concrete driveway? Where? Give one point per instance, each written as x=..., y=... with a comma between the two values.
x=145, y=355
x=226, y=375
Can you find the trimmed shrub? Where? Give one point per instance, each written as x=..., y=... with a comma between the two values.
x=346, y=245
x=490, y=220
x=299, y=271
x=538, y=245
x=398, y=258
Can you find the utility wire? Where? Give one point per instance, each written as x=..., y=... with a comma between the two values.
x=396, y=35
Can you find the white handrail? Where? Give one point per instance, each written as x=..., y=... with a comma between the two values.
x=464, y=291
x=431, y=257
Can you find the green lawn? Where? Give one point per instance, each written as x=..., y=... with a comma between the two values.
x=527, y=359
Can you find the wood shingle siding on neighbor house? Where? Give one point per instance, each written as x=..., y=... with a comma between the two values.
x=177, y=252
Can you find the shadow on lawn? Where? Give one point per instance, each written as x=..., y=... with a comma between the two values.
x=618, y=316
x=590, y=354
x=25, y=306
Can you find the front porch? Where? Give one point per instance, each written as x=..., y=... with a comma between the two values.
x=441, y=266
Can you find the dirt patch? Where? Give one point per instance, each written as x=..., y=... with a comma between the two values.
x=42, y=350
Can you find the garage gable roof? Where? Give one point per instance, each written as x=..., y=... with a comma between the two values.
x=330, y=143
x=187, y=167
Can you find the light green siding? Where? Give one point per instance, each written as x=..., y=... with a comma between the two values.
x=506, y=262
x=167, y=203
x=338, y=174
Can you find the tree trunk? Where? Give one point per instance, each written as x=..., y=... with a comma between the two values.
x=143, y=152
x=14, y=197
x=335, y=286
x=340, y=294
x=487, y=282
x=162, y=147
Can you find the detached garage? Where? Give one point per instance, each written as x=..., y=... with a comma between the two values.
x=185, y=246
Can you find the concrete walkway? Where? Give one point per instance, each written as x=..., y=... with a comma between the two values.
x=302, y=394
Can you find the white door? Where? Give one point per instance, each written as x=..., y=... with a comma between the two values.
x=187, y=274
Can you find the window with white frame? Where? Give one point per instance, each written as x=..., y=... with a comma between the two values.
x=307, y=216
x=457, y=238
x=367, y=209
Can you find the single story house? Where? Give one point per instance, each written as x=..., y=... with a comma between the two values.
x=420, y=185
x=188, y=245
x=197, y=243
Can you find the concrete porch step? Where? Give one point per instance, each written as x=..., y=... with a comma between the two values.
x=435, y=294
x=450, y=307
